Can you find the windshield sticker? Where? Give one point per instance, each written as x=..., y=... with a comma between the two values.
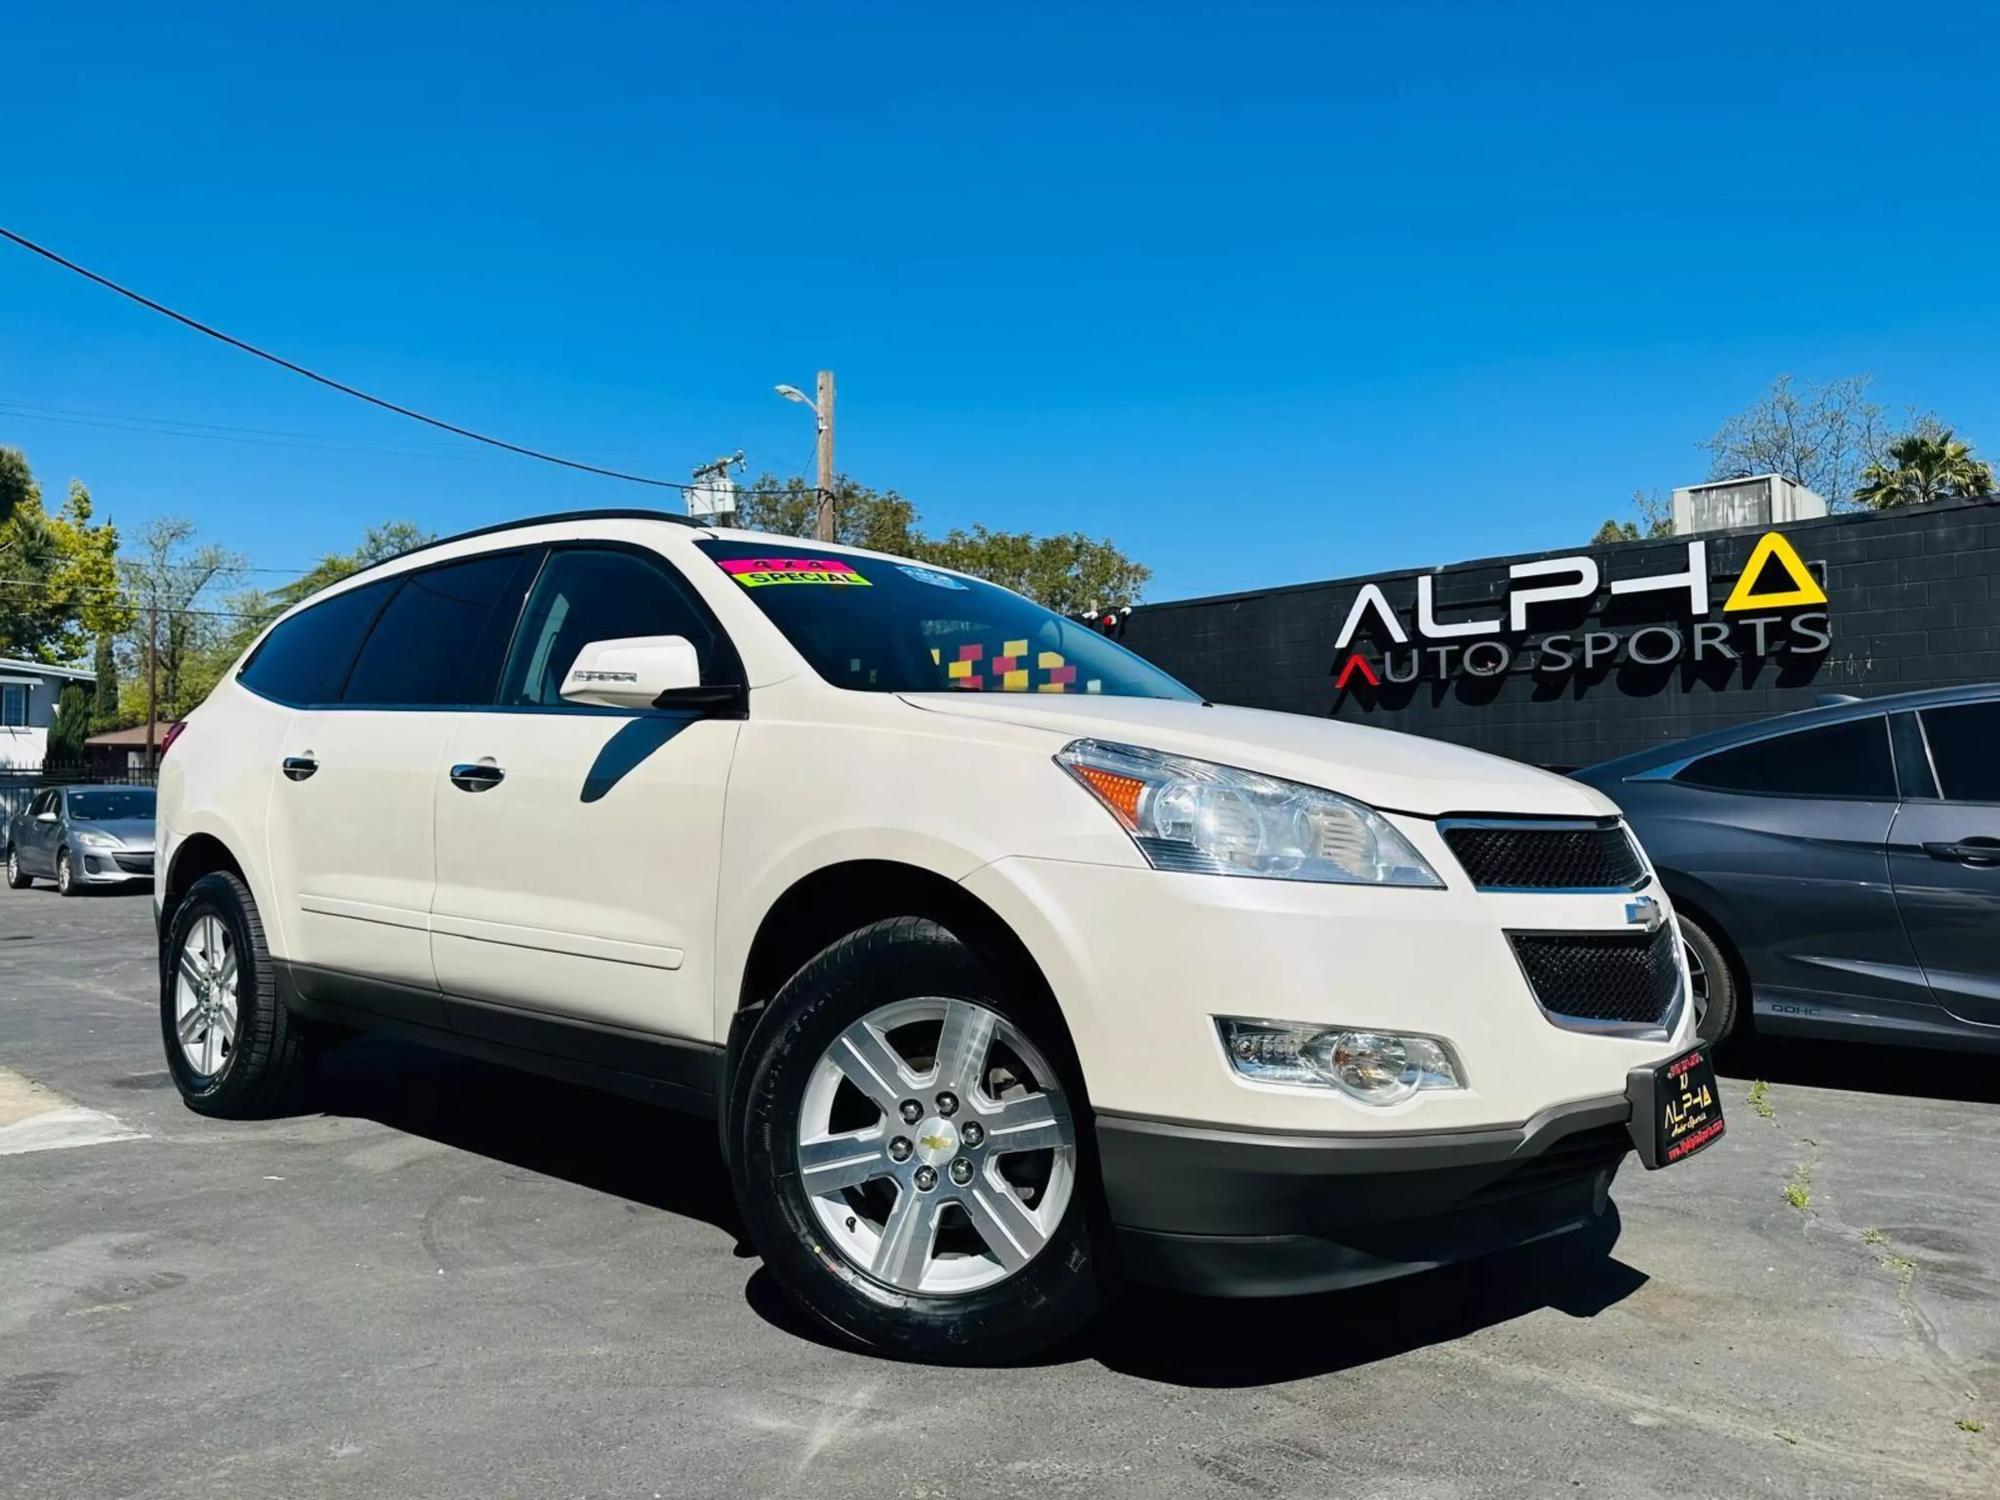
x=756, y=572
x=962, y=673
x=935, y=579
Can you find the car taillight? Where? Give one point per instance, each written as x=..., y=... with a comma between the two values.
x=173, y=733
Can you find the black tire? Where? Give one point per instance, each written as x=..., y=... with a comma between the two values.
x=18, y=879
x=269, y=1061
x=1709, y=964
x=65, y=874
x=1053, y=1298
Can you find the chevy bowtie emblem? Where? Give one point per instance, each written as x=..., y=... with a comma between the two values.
x=1645, y=912
x=934, y=1142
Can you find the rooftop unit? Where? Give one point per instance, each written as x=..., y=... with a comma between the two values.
x=1761, y=500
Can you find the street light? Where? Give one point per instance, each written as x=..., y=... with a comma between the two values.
x=822, y=411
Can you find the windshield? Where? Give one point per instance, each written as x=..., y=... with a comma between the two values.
x=897, y=627
x=110, y=803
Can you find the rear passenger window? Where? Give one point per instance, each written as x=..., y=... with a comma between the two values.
x=1840, y=760
x=305, y=659
x=1965, y=748
x=440, y=640
x=585, y=595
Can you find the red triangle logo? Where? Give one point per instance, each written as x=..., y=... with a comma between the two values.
x=1356, y=662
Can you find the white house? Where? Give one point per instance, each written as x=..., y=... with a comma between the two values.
x=28, y=692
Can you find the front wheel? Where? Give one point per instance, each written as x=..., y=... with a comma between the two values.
x=18, y=879
x=65, y=875
x=909, y=1157
x=232, y=1047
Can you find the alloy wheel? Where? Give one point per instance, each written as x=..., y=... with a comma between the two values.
x=63, y=872
x=14, y=866
x=205, y=996
x=936, y=1147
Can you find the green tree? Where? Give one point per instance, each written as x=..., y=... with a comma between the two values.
x=1820, y=435
x=177, y=619
x=68, y=729
x=1655, y=518
x=104, y=709
x=62, y=569
x=1068, y=572
x=882, y=521
x=17, y=484
x=1923, y=466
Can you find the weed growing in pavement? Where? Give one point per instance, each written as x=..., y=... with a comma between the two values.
x=1969, y=1424
x=1798, y=1191
x=1760, y=1100
x=1872, y=1236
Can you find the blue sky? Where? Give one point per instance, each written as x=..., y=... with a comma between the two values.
x=1262, y=293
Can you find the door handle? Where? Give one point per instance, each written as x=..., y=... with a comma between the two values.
x=299, y=767
x=1967, y=851
x=468, y=777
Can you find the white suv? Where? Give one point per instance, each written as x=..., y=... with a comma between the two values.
x=1005, y=963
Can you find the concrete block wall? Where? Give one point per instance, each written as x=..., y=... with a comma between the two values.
x=1913, y=602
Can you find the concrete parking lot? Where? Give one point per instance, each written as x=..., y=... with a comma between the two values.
x=450, y=1280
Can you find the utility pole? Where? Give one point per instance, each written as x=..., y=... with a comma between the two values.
x=824, y=448
x=822, y=410
x=152, y=680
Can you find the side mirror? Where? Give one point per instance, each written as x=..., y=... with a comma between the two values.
x=633, y=672
x=47, y=817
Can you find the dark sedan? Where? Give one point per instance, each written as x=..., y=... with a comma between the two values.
x=1837, y=871
x=82, y=837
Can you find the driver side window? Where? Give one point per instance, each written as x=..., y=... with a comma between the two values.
x=585, y=595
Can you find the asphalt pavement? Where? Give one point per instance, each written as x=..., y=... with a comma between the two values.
x=447, y=1279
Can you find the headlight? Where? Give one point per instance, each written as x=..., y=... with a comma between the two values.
x=1375, y=1067
x=98, y=841
x=1192, y=816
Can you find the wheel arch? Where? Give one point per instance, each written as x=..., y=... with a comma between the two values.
x=824, y=906
x=196, y=855
x=1700, y=904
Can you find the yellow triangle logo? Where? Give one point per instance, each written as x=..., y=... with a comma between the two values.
x=1770, y=546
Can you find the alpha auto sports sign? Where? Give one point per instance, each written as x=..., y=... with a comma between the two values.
x=1776, y=607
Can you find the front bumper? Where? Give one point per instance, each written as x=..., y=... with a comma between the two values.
x=1143, y=961
x=110, y=866
x=1254, y=1214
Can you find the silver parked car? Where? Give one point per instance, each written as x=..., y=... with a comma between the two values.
x=82, y=836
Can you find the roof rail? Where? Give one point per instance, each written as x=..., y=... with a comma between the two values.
x=612, y=514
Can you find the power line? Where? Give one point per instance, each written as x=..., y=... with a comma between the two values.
x=346, y=390
x=158, y=428
x=135, y=600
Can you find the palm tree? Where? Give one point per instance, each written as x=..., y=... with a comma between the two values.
x=1928, y=466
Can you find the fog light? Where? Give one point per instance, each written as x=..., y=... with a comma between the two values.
x=1376, y=1067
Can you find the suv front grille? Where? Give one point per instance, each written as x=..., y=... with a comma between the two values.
x=1603, y=979
x=1539, y=857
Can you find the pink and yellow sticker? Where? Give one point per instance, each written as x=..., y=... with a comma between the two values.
x=757, y=572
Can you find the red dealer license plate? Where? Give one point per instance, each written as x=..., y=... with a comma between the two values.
x=1676, y=1110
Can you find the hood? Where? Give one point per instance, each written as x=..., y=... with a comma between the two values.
x=1397, y=772
x=137, y=832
